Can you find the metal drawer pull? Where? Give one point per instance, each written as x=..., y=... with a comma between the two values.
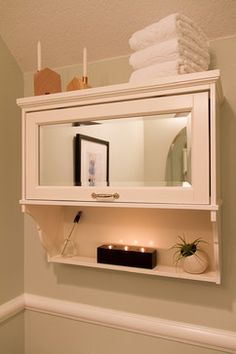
x=104, y=196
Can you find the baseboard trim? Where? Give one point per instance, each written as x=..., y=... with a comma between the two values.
x=177, y=331
x=12, y=307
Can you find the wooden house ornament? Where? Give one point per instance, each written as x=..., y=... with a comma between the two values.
x=74, y=84
x=78, y=84
x=46, y=81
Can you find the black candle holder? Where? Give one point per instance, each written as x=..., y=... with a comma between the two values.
x=130, y=256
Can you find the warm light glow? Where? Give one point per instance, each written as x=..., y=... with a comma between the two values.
x=142, y=249
x=110, y=247
x=126, y=248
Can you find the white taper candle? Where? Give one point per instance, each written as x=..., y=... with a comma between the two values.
x=85, y=62
x=39, y=56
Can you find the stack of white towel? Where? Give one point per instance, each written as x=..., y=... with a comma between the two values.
x=174, y=45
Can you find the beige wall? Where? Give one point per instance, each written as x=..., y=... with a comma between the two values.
x=101, y=73
x=12, y=335
x=48, y=335
x=178, y=300
x=11, y=218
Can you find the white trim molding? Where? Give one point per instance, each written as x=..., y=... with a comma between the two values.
x=12, y=307
x=207, y=337
x=121, y=91
x=201, y=336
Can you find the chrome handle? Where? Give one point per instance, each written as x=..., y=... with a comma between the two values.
x=104, y=196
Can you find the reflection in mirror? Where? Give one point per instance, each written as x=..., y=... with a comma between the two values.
x=91, y=161
x=139, y=151
x=178, y=160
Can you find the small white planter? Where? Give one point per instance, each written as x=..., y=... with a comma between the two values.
x=196, y=264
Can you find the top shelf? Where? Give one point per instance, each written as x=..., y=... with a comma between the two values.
x=161, y=86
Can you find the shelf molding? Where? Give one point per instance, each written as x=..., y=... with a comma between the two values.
x=160, y=270
x=210, y=207
x=165, y=86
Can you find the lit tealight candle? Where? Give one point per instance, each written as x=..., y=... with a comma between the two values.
x=84, y=62
x=142, y=249
x=126, y=248
x=39, y=56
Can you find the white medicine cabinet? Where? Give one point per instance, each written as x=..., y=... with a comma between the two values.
x=150, y=146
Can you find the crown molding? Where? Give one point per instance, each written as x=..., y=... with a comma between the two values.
x=162, y=86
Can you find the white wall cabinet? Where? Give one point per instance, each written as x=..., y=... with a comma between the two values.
x=151, y=147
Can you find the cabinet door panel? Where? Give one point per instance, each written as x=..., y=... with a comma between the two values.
x=141, y=151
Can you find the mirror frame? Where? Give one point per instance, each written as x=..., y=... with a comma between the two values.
x=198, y=193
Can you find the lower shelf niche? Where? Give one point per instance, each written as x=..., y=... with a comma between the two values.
x=156, y=229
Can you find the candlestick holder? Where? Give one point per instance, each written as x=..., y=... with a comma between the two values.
x=131, y=256
x=78, y=84
x=85, y=83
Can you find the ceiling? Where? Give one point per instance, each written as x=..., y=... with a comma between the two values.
x=64, y=27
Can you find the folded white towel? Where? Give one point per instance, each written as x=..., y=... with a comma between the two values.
x=167, y=28
x=167, y=68
x=173, y=49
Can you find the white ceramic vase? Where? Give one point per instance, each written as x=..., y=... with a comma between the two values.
x=196, y=264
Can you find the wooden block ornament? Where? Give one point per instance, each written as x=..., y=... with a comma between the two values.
x=74, y=84
x=46, y=81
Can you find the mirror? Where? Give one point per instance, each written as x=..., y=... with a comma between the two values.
x=138, y=151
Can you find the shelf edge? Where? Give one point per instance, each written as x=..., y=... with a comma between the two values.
x=164, y=271
x=210, y=207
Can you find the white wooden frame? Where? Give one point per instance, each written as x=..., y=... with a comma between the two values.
x=198, y=193
x=180, y=93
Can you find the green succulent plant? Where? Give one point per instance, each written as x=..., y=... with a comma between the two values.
x=185, y=249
